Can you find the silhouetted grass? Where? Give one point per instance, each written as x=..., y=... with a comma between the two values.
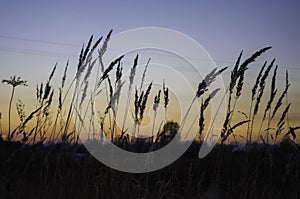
x=47, y=161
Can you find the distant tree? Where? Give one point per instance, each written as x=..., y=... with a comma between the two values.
x=169, y=131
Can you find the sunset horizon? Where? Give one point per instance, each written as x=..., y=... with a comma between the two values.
x=149, y=99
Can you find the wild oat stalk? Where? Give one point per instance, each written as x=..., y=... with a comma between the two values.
x=268, y=107
x=238, y=74
x=286, y=96
x=281, y=122
x=23, y=124
x=103, y=50
x=237, y=80
x=95, y=92
x=85, y=59
x=118, y=87
x=143, y=105
x=137, y=103
x=80, y=69
x=22, y=115
x=108, y=69
x=166, y=100
x=292, y=131
x=84, y=83
x=140, y=103
x=119, y=73
x=99, y=80
x=273, y=92
x=202, y=88
x=144, y=74
x=105, y=72
x=105, y=75
x=279, y=102
x=254, y=90
x=262, y=84
x=233, y=80
x=131, y=79
x=155, y=106
x=113, y=104
x=14, y=82
x=60, y=104
x=225, y=135
x=44, y=99
x=204, y=105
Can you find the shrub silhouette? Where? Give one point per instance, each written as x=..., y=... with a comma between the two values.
x=169, y=131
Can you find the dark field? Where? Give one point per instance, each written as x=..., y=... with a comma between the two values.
x=68, y=171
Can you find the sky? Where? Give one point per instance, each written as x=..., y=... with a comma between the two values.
x=34, y=35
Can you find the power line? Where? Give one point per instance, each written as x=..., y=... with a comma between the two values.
x=39, y=41
x=36, y=52
x=55, y=54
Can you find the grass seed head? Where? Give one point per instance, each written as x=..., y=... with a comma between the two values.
x=166, y=95
x=284, y=93
x=254, y=89
x=14, y=82
x=273, y=92
x=262, y=84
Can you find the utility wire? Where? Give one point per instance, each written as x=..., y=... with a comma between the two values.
x=73, y=56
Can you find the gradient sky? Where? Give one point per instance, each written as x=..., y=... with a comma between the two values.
x=34, y=35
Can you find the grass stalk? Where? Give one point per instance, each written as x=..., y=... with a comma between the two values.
x=254, y=91
x=14, y=82
x=155, y=106
x=131, y=79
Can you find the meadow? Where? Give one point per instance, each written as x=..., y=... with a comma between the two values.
x=44, y=156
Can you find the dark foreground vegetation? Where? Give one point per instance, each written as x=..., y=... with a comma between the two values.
x=68, y=171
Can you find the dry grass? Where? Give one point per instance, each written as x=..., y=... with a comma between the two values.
x=77, y=113
x=70, y=119
x=237, y=80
